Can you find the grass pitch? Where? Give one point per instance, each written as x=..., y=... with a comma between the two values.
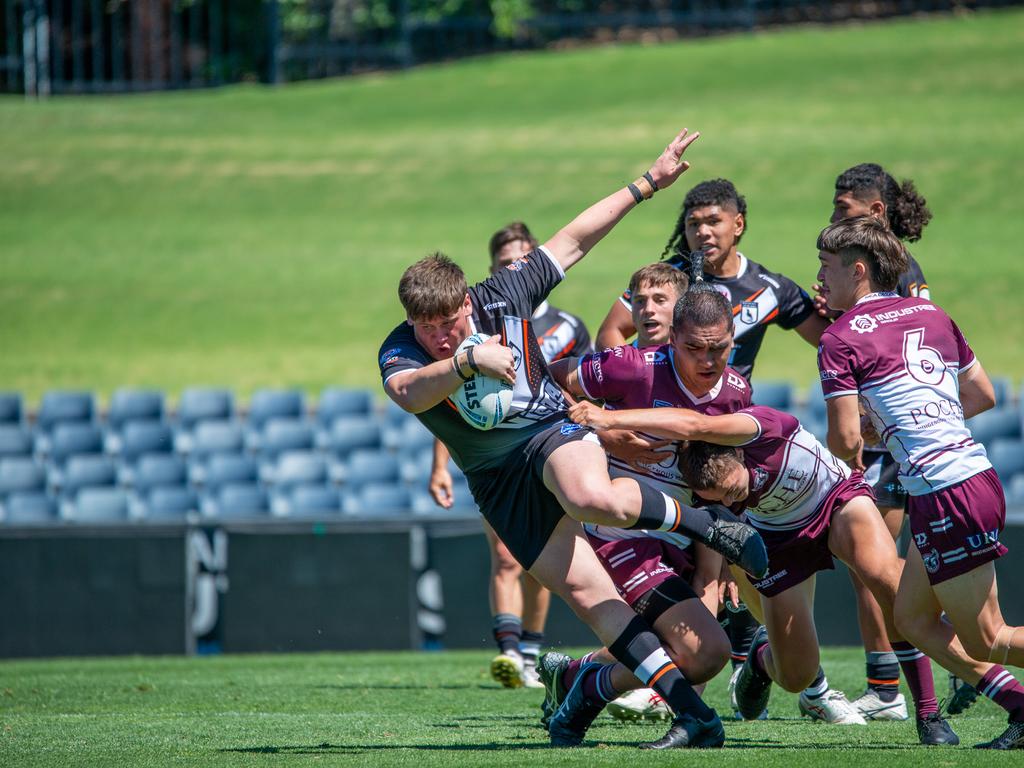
x=403, y=709
x=253, y=236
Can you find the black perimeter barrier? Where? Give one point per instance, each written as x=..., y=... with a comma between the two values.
x=101, y=46
x=405, y=583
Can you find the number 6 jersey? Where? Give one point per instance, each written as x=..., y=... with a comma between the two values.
x=903, y=356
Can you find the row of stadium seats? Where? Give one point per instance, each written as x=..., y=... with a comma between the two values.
x=279, y=457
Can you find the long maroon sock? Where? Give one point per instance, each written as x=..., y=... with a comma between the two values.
x=1002, y=687
x=574, y=669
x=917, y=671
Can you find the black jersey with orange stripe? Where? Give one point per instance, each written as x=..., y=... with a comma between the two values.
x=503, y=304
x=912, y=283
x=759, y=298
x=560, y=333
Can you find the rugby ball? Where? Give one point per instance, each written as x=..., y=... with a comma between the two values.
x=483, y=402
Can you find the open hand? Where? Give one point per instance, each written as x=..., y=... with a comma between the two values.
x=670, y=166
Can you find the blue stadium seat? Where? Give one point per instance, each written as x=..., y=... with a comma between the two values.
x=21, y=475
x=101, y=505
x=238, y=500
x=300, y=468
x=200, y=404
x=394, y=415
x=282, y=435
x=410, y=435
x=11, y=409
x=230, y=469
x=313, y=500
x=170, y=503
x=371, y=467
x=88, y=472
x=212, y=437
x=30, y=509
x=773, y=394
x=1015, y=491
x=997, y=423
x=145, y=437
x=129, y=405
x=75, y=440
x=1007, y=456
x=15, y=440
x=335, y=402
x=379, y=499
x=160, y=470
x=349, y=433
x=268, y=404
x=61, y=407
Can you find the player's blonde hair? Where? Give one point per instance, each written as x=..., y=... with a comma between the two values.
x=432, y=288
x=871, y=241
x=658, y=274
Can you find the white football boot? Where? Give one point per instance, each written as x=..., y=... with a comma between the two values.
x=641, y=704
x=872, y=707
x=831, y=707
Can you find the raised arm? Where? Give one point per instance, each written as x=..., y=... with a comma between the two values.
x=616, y=329
x=573, y=241
x=671, y=423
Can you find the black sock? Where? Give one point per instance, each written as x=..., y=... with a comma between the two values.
x=508, y=629
x=740, y=627
x=883, y=672
x=639, y=649
x=660, y=512
x=530, y=645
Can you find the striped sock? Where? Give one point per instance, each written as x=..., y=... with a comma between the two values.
x=639, y=649
x=661, y=512
x=507, y=630
x=917, y=671
x=597, y=685
x=573, y=669
x=1002, y=687
x=530, y=643
x=883, y=673
x=817, y=689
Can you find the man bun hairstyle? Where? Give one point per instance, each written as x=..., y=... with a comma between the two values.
x=517, y=230
x=704, y=465
x=720, y=192
x=867, y=238
x=905, y=208
x=658, y=274
x=432, y=288
x=702, y=306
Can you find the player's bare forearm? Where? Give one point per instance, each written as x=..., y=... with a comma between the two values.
x=565, y=372
x=810, y=330
x=976, y=391
x=706, y=574
x=844, y=437
x=616, y=329
x=420, y=390
x=579, y=236
x=441, y=455
x=670, y=423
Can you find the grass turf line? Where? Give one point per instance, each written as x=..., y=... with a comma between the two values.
x=394, y=709
x=253, y=236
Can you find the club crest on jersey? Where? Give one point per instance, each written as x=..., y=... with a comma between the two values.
x=863, y=323
x=759, y=477
x=518, y=264
x=749, y=312
x=931, y=561
x=517, y=355
x=655, y=357
x=389, y=356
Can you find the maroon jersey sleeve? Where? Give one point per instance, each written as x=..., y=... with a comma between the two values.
x=609, y=375
x=836, y=366
x=772, y=424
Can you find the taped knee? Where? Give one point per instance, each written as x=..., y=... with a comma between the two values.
x=1000, y=650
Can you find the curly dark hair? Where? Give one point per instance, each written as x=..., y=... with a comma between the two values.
x=905, y=208
x=720, y=192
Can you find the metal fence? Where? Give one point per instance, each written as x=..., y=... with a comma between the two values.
x=89, y=46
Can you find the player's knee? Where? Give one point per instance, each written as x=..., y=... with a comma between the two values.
x=910, y=625
x=712, y=658
x=980, y=641
x=596, y=505
x=795, y=678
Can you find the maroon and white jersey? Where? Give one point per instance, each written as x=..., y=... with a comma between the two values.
x=791, y=473
x=903, y=357
x=628, y=378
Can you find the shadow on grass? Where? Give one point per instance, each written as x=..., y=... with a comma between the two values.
x=406, y=687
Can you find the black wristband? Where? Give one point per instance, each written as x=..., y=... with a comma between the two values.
x=458, y=368
x=469, y=359
x=650, y=180
x=635, y=192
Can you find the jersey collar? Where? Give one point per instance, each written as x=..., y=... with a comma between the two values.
x=712, y=393
x=877, y=295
